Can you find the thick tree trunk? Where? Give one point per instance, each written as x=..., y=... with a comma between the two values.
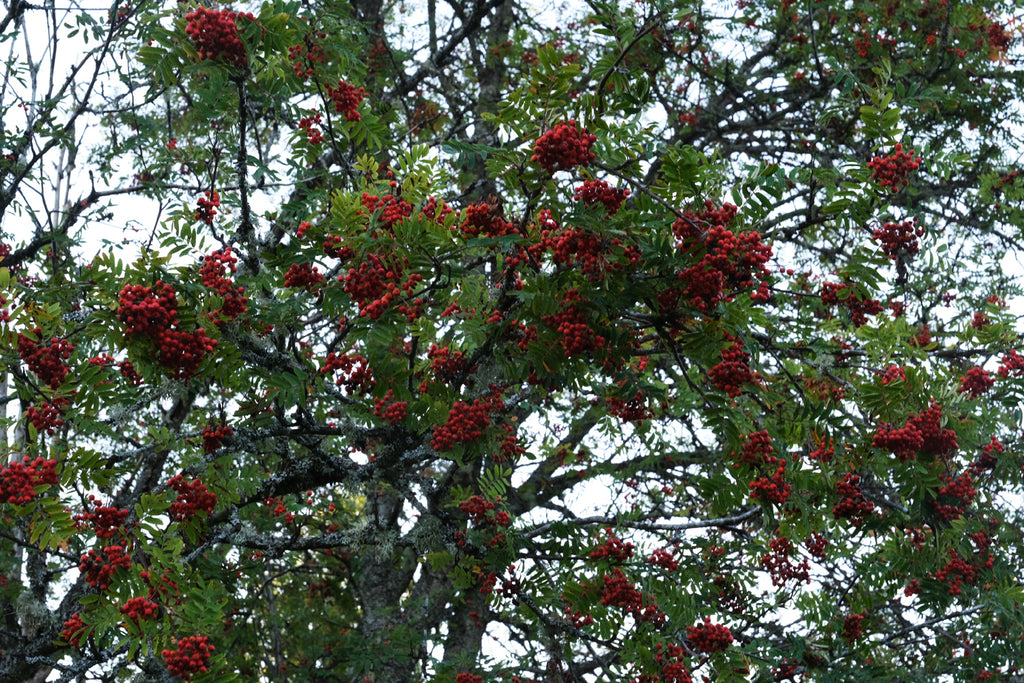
x=491, y=74
x=381, y=576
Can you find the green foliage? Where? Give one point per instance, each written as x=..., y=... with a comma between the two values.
x=450, y=406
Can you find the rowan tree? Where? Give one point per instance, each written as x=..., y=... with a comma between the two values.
x=481, y=341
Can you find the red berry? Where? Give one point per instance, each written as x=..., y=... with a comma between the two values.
x=563, y=147
x=215, y=35
x=191, y=656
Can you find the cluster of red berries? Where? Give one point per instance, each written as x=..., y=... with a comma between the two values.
x=633, y=409
x=374, y=285
x=729, y=594
x=214, y=273
x=787, y=670
x=213, y=437
x=448, y=366
x=1010, y=179
x=853, y=627
x=1012, y=363
x=140, y=609
x=346, y=99
x=866, y=41
x=310, y=124
x=987, y=460
x=148, y=310
x=903, y=442
x=773, y=489
x=708, y=637
x=356, y=376
x=725, y=262
x=757, y=450
x=922, y=338
x=892, y=374
x=48, y=416
x=192, y=656
x=509, y=449
x=704, y=287
x=576, y=617
x=692, y=225
x=618, y=591
x=102, y=360
x=546, y=221
x=955, y=495
x=99, y=566
x=279, y=509
x=153, y=312
x=468, y=678
x=481, y=512
x=305, y=56
x=107, y=521
x=733, y=371
x=576, y=248
x=436, y=210
x=892, y=171
x=215, y=35
x=917, y=536
x=18, y=481
x=899, y=239
x=780, y=567
x=959, y=571
x=206, y=207
x=46, y=360
x=816, y=544
x=937, y=440
x=466, y=422
x=74, y=630
x=825, y=451
x=994, y=36
x=377, y=55
x=303, y=276
x=563, y=147
x=665, y=559
x=593, y=192
x=388, y=209
x=976, y=382
x=841, y=294
x=524, y=335
x=922, y=432
x=5, y=248
x=333, y=247
x=852, y=505
x=193, y=498
x=485, y=220
x=390, y=410
x=673, y=669
x=614, y=549
x=164, y=588
x=576, y=335
x=183, y=352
